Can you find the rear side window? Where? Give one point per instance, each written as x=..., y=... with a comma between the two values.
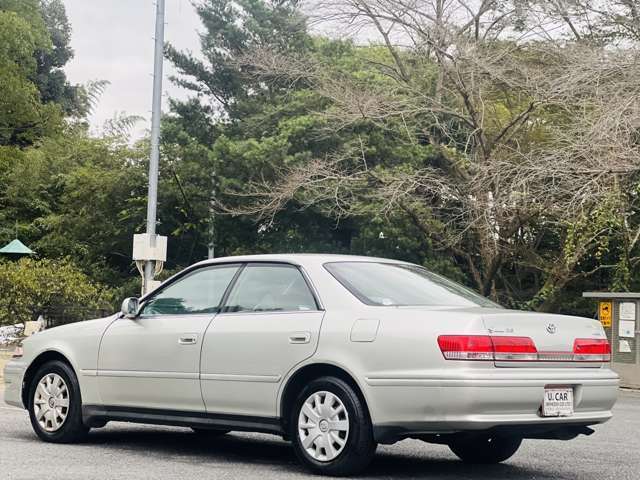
x=270, y=288
x=398, y=284
x=197, y=292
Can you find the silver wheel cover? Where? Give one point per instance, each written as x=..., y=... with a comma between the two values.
x=323, y=426
x=51, y=402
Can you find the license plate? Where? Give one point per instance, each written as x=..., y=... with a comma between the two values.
x=557, y=402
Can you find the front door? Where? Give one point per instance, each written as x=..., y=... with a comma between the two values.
x=270, y=323
x=153, y=361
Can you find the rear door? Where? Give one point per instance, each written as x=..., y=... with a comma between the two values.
x=270, y=323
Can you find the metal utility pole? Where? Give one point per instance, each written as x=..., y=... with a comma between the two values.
x=156, y=113
x=149, y=249
x=212, y=219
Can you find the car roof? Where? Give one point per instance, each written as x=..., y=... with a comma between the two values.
x=301, y=259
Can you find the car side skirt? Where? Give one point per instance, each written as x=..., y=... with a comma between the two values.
x=98, y=415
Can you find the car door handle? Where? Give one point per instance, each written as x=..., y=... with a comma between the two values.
x=188, y=340
x=300, y=337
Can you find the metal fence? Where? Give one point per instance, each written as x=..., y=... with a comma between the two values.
x=64, y=314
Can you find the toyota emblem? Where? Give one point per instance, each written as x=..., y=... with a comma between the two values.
x=551, y=328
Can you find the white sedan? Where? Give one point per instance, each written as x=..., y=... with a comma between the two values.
x=334, y=353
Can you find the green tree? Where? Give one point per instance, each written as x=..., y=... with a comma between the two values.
x=261, y=130
x=34, y=287
x=34, y=48
x=251, y=130
x=79, y=197
x=51, y=79
x=23, y=117
x=69, y=195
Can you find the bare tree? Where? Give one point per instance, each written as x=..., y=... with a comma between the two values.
x=531, y=129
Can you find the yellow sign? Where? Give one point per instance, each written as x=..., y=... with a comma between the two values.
x=606, y=309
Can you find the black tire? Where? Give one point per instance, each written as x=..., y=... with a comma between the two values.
x=72, y=429
x=485, y=449
x=360, y=446
x=208, y=432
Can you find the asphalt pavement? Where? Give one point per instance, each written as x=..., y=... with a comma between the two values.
x=128, y=451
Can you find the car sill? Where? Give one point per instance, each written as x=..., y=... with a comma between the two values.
x=99, y=414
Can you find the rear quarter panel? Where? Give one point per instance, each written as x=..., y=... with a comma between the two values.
x=405, y=378
x=404, y=350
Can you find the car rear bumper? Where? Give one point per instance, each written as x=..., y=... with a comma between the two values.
x=13, y=375
x=388, y=434
x=475, y=401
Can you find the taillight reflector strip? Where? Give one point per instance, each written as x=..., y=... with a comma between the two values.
x=514, y=349
x=519, y=349
x=485, y=347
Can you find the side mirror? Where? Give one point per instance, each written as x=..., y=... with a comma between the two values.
x=130, y=307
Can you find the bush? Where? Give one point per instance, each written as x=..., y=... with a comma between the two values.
x=29, y=288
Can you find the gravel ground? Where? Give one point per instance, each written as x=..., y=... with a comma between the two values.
x=127, y=451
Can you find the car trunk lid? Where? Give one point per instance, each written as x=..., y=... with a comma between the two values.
x=560, y=340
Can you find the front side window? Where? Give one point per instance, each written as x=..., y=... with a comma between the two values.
x=403, y=285
x=270, y=288
x=200, y=291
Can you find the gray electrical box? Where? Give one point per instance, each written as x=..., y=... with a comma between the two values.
x=618, y=313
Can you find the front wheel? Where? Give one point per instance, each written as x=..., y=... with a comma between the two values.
x=55, y=405
x=485, y=449
x=331, y=430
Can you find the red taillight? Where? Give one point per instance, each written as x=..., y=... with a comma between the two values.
x=519, y=349
x=484, y=347
x=591, y=350
x=466, y=347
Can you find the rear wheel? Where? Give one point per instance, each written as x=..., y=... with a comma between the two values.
x=55, y=404
x=485, y=449
x=330, y=428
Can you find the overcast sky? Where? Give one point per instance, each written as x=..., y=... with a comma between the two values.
x=113, y=40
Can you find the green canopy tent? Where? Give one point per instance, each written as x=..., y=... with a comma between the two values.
x=16, y=247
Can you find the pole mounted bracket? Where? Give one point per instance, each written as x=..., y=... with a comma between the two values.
x=150, y=247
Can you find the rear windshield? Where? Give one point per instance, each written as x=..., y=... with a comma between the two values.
x=385, y=284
